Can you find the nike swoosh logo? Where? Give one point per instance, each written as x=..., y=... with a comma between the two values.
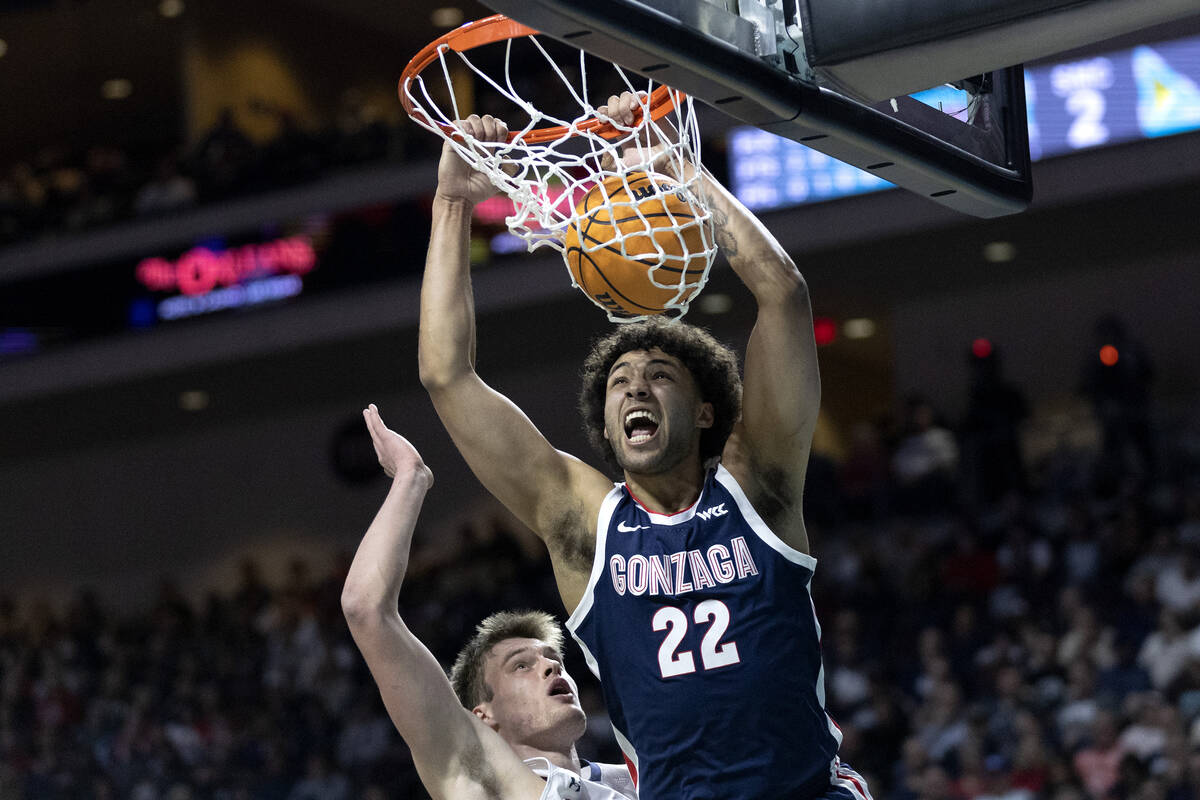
x=623, y=528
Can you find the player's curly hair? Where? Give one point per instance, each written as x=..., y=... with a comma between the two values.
x=466, y=676
x=713, y=366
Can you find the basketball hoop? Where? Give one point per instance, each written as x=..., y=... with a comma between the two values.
x=550, y=162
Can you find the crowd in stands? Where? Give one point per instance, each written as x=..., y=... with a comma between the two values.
x=1040, y=639
x=59, y=192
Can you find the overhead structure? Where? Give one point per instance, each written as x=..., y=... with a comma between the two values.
x=823, y=72
x=876, y=49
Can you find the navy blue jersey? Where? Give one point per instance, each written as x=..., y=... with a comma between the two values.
x=702, y=632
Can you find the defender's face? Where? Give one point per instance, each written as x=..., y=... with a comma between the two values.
x=534, y=701
x=653, y=413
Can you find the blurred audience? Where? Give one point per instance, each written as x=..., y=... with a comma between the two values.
x=926, y=459
x=59, y=192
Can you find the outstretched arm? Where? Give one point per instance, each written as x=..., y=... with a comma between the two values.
x=768, y=451
x=556, y=495
x=456, y=755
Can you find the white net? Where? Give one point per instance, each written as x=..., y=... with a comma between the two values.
x=652, y=200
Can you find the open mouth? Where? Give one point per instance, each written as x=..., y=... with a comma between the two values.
x=640, y=426
x=560, y=687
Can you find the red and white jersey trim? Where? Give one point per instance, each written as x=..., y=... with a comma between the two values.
x=844, y=777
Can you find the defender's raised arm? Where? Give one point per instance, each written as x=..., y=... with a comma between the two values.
x=456, y=754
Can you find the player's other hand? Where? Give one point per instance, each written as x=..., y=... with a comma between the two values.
x=653, y=139
x=457, y=180
x=396, y=454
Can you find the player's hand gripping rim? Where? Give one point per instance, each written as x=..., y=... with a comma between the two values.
x=457, y=179
x=651, y=146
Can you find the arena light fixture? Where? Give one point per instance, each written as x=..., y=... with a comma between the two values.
x=171, y=8
x=715, y=303
x=194, y=400
x=824, y=331
x=116, y=88
x=859, y=328
x=446, y=17
x=999, y=252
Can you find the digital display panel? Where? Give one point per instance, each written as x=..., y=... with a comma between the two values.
x=1140, y=93
x=269, y=264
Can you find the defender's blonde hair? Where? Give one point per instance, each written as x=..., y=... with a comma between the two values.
x=466, y=676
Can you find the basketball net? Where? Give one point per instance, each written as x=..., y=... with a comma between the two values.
x=549, y=163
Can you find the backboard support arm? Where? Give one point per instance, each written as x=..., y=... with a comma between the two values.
x=981, y=169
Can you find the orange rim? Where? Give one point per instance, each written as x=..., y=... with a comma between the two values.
x=499, y=28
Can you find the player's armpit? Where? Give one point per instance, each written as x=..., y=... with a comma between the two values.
x=781, y=394
x=781, y=384
x=485, y=768
x=776, y=492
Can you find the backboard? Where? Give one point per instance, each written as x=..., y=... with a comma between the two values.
x=834, y=74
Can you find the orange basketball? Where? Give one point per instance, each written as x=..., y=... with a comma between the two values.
x=635, y=244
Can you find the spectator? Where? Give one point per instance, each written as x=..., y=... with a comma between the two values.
x=223, y=157
x=1165, y=653
x=998, y=782
x=1178, y=584
x=319, y=783
x=992, y=462
x=1116, y=377
x=168, y=191
x=1085, y=638
x=940, y=723
x=1137, y=615
x=864, y=474
x=1077, y=715
x=1098, y=763
x=924, y=461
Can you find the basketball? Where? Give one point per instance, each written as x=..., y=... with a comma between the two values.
x=636, y=247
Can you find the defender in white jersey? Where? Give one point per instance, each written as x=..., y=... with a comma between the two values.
x=514, y=734
x=660, y=401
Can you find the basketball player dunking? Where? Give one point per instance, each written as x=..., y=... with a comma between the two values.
x=689, y=582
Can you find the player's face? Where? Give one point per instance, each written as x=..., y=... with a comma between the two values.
x=653, y=413
x=534, y=701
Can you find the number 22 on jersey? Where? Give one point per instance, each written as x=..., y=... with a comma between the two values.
x=714, y=653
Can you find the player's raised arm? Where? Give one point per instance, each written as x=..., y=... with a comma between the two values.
x=556, y=495
x=768, y=451
x=769, y=448
x=456, y=754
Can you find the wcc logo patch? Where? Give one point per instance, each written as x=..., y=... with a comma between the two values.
x=718, y=510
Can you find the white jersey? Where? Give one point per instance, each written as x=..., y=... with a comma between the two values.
x=603, y=782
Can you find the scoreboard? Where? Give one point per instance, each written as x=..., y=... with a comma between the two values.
x=1140, y=93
